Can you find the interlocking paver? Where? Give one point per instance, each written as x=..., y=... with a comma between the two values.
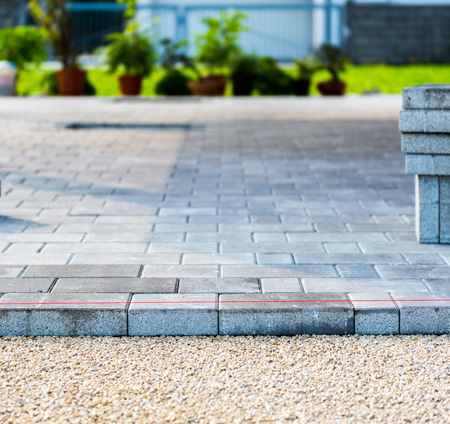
x=261, y=182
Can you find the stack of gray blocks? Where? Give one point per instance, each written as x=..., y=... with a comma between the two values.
x=425, y=128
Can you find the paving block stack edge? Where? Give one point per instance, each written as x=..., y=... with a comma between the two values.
x=425, y=128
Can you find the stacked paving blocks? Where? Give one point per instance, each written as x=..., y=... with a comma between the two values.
x=425, y=128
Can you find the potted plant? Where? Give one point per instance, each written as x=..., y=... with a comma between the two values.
x=132, y=53
x=53, y=16
x=22, y=46
x=306, y=69
x=174, y=82
x=244, y=71
x=215, y=47
x=334, y=60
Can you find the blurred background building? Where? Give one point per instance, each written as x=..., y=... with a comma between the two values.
x=372, y=31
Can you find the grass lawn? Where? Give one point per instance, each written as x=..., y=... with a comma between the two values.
x=387, y=79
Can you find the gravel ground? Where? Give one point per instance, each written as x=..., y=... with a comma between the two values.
x=326, y=379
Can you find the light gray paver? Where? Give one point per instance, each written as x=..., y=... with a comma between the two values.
x=280, y=314
x=280, y=285
x=419, y=314
x=375, y=313
x=425, y=121
x=219, y=285
x=161, y=314
x=363, y=285
x=25, y=285
x=36, y=314
x=427, y=96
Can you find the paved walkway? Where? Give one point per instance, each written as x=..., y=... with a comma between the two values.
x=251, y=199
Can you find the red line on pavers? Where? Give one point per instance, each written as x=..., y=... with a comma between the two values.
x=224, y=301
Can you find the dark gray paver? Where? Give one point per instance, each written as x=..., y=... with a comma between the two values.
x=114, y=285
x=375, y=313
x=25, y=285
x=285, y=313
x=63, y=314
x=82, y=271
x=219, y=285
x=173, y=315
x=419, y=314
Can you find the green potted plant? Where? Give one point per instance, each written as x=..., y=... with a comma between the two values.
x=215, y=47
x=53, y=16
x=244, y=71
x=131, y=53
x=334, y=59
x=174, y=82
x=306, y=69
x=272, y=80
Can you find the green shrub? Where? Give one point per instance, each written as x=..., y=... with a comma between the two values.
x=173, y=83
x=22, y=46
x=244, y=64
x=272, y=80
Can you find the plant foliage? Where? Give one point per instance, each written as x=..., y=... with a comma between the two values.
x=53, y=16
x=332, y=58
x=130, y=52
x=220, y=40
x=244, y=64
x=22, y=46
x=306, y=68
x=272, y=80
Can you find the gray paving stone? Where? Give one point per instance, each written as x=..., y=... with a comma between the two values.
x=412, y=271
x=375, y=313
x=280, y=285
x=63, y=314
x=219, y=285
x=271, y=247
x=43, y=271
x=113, y=285
x=439, y=285
x=125, y=258
x=25, y=285
x=357, y=285
x=424, y=258
x=425, y=121
x=427, y=96
x=180, y=271
x=274, y=258
x=419, y=314
x=426, y=143
x=216, y=258
x=356, y=271
x=161, y=314
x=295, y=271
x=285, y=314
x=427, y=164
x=348, y=258
x=7, y=272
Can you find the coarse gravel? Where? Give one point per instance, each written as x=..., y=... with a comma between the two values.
x=302, y=379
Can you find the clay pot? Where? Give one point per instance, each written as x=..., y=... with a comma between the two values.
x=212, y=85
x=71, y=81
x=130, y=85
x=332, y=88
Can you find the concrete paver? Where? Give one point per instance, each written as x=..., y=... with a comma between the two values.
x=290, y=194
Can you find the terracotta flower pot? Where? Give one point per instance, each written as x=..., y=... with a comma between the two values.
x=212, y=85
x=71, y=81
x=332, y=88
x=130, y=85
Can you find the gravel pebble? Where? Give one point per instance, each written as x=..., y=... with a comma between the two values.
x=302, y=379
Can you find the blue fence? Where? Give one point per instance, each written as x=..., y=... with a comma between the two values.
x=283, y=31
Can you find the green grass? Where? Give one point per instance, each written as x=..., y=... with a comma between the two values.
x=387, y=79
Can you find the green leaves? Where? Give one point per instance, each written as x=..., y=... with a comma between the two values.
x=22, y=46
x=220, y=40
x=130, y=52
x=333, y=59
